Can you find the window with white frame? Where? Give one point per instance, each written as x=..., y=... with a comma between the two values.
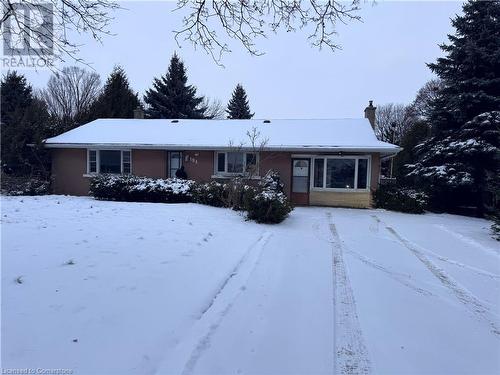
x=341, y=173
x=233, y=162
x=109, y=161
x=126, y=162
x=92, y=163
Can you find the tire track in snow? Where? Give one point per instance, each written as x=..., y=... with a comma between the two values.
x=351, y=354
x=470, y=301
x=396, y=276
x=265, y=236
x=192, y=346
x=468, y=240
x=476, y=270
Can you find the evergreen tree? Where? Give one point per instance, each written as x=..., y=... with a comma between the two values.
x=16, y=96
x=238, y=107
x=117, y=100
x=24, y=120
x=416, y=133
x=455, y=164
x=172, y=97
x=462, y=166
x=470, y=71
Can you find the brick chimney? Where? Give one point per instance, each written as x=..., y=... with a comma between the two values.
x=370, y=113
x=138, y=113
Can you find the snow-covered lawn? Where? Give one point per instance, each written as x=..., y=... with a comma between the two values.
x=131, y=288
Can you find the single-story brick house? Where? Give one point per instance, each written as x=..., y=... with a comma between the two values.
x=332, y=162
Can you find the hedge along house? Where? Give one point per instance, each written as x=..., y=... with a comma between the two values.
x=332, y=162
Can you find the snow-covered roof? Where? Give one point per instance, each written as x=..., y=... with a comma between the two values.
x=287, y=135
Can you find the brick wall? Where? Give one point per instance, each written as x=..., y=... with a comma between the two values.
x=68, y=168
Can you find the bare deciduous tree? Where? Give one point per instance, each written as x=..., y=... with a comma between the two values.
x=215, y=109
x=422, y=105
x=257, y=144
x=81, y=16
x=70, y=94
x=392, y=121
x=247, y=20
x=254, y=144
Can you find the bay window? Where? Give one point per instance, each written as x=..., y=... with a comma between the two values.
x=341, y=173
x=318, y=172
x=232, y=163
x=362, y=173
x=109, y=161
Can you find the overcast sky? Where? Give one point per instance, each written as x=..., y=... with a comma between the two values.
x=382, y=58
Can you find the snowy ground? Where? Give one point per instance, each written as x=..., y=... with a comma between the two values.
x=124, y=288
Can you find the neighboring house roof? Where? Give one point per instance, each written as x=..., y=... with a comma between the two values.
x=286, y=135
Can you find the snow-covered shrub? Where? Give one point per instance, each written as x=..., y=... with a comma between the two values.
x=236, y=192
x=399, y=198
x=211, y=193
x=109, y=187
x=172, y=190
x=15, y=185
x=140, y=189
x=268, y=203
x=232, y=194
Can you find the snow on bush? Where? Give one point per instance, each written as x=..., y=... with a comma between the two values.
x=398, y=198
x=230, y=195
x=15, y=185
x=237, y=193
x=211, y=193
x=140, y=189
x=268, y=203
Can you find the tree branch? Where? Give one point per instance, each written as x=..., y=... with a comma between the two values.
x=247, y=20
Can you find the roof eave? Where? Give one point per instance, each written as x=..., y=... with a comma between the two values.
x=385, y=150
